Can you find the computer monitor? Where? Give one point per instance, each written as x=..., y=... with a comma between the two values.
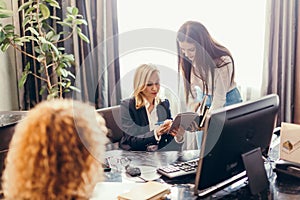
x=230, y=132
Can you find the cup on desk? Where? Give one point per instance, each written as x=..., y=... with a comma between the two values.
x=119, y=164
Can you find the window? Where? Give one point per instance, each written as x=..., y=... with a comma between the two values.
x=238, y=25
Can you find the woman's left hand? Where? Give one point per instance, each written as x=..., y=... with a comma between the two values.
x=178, y=133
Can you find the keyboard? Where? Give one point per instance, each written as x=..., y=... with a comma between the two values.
x=178, y=169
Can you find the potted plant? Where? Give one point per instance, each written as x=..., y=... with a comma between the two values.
x=54, y=63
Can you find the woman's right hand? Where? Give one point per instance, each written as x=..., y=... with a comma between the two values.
x=164, y=128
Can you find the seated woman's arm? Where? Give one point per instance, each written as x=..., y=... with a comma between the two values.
x=136, y=133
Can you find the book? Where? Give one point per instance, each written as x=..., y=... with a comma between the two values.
x=192, y=121
x=149, y=191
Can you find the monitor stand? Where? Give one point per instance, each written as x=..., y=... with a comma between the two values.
x=255, y=173
x=255, y=170
x=239, y=178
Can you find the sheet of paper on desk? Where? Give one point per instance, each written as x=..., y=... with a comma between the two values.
x=111, y=190
x=290, y=142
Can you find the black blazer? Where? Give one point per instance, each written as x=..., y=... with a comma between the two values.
x=135, y=126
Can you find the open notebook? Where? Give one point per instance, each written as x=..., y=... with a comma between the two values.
x=149, y=191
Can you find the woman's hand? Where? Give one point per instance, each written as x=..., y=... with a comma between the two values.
x=178, y=133
x=193, y=127
x=164, y=128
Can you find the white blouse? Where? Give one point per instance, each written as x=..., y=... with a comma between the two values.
x=222, y=83
x=152, y=117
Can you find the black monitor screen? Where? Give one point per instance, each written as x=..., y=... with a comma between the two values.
x=230, y=132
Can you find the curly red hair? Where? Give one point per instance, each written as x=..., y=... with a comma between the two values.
x=56, y=152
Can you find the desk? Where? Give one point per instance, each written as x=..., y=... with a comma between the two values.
x=183, y=187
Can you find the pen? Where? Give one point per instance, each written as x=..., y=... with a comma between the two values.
x=159, y=123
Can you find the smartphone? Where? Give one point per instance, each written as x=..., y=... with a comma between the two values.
x=106, y=165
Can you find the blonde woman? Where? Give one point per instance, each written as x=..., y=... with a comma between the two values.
x=55, y=153
x=146, y=119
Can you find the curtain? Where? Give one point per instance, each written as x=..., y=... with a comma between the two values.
x=96, y=63
x=297, y=82
x=27, y=95
x=98, y=75
x=279, y=73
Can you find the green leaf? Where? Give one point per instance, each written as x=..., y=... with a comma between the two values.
x=24, y=75
x=83, y=37
x=37, y=49
x=55, y=17
x=25, y=21
x=61, y=48
x=53, y=3
x=68, y=84
x=25, y=5
x=45, y=47
x=24, y=39
x=69, y=57
x=32, y=30
x=72, y=75
x=55, y=38
x=69, y=9
x=10, y=35
x=80, y=21
x=74, y=11
x=43, y=40
x=49, y=35
x=63, y=72
x=2, y=37
x=62, y=84
x=65, y=24
x=27, y=67
x=18, y=41
x=54, y=48
x=42, y=90
x=40, y=58
x=52, y=95
x=29, y=37
x=5, y=13
x=30, y=10
x=23, y=80
x=45, y=11
x=5, y=47
x=9, y=27
x=75, y=88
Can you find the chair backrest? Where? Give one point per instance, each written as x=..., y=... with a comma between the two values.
x=113, y=122
x=6, y=133
x=8, y=121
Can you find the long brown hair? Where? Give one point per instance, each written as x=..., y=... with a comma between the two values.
x=207, y=52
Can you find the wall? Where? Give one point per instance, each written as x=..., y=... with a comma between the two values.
x=8, y=83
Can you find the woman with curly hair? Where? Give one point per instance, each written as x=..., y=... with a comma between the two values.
x=56, y=152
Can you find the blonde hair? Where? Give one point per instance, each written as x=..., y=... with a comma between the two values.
x=141, y=78
x=50, y=154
